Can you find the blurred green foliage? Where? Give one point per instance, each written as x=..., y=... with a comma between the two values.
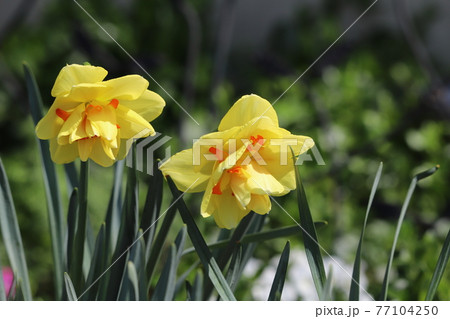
x=364, y=102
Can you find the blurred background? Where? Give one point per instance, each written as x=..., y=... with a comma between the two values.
x=381, y=93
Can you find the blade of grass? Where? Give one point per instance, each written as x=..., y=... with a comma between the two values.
x=412, y=186
x=310, y=240
x=439, y=270
x=70, y=290
x=354, y=287
x=52, y=192
x=280, y=275
x=209, y=263
x=259, y=236
x=12, y=238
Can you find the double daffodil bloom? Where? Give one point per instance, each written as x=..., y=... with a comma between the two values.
x=238, y=167
x=90, y=117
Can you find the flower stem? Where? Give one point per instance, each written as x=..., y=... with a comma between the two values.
x=80, y=235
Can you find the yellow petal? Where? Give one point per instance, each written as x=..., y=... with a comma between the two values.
x=72, y=126
x=228, y=212
x=132, y=124
x=149, y=105
x=262, y=182
x=240, y=191
x=86, y=92
x=98, y=154
x=74, y=74
x=129, y=87
x=62, y=154
x=104, y=121
x=248, y=108
x=85, y=148
x=49, y=126
x=179, y=167
x=260, y=204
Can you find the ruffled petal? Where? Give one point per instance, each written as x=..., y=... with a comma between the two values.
x=131, y=124
x=262, y=182
x=87, y=92
x=260, y=204
x=98, y=154
x=149, y=105
x=75, y=74
x=246, y=109
x=129, y=87
x=62, y=154
x=179, y=167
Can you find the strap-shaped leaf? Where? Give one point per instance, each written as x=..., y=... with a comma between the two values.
x=70, y=290
x=280, y=275
x=354, y=287
x=440, y=268
x=310, y=240
x=412, y=187
x=12, y=238
x=52, y=191
x=209, y=263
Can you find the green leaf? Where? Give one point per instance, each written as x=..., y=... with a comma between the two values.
x=194, y=292
x=12, y=238
x=113, y=214
x=152, y=207
x=439, y=270
x=98, y=263
x=155, y=251
x=165, y=288
x=259, y=236
x=70, y=290
x=310, y=240
x=224, y=255
x=127, y=233
x=52, y=192
x=235, y=266
x=76, y=270
x=280, y=275
x=412, y=186
x=354, y=287
x=134, y=281
x=182, y=278
x=327, y=289
x=137, y=256
x=166, y=284
x=209, y=263
x=2, y=286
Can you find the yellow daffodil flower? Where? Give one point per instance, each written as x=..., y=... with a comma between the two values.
x=90, y=117
x=239, y=166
